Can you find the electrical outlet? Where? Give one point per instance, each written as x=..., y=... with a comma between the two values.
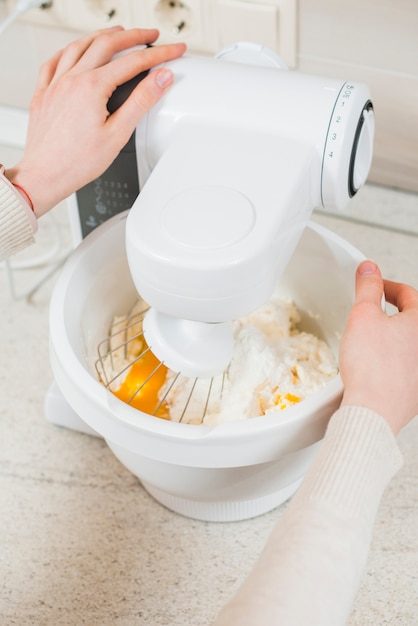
x=209, y=25
x=206, y=26
x=89, y=15
x=178, y=20
x=50, y=13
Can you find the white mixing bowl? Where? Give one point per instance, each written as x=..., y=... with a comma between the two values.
x=227, y=472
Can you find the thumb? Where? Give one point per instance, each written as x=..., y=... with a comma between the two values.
x=145, y=95
x=151, y=89
x=369, y=283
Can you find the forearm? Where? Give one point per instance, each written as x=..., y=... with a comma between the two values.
x=310, y=569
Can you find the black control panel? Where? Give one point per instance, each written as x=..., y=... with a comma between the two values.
x=113, y=192
x=117, y=188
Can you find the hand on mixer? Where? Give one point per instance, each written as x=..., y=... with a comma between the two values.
x=72, y=138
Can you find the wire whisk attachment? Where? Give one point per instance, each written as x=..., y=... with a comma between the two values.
x=127, y=367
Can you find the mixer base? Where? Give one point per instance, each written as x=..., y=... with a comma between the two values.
x=223, y=511
x=59, y=412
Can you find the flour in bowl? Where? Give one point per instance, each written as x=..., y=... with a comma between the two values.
x=274, y=366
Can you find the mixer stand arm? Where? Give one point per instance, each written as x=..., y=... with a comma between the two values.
x=218, y=220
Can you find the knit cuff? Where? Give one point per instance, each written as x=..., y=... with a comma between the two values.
x=17, y=221
x=355, y=463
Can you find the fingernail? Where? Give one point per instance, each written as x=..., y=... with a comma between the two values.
x=367, y=267
x=164, y=78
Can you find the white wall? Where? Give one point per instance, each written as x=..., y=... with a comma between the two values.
x=375, y=41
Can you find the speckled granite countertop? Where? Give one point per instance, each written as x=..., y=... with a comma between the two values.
x=83, y=543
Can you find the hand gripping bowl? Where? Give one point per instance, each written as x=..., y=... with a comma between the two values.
x=227, y=472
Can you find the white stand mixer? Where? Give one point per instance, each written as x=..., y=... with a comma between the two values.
x=235, y=160
x=231, y=164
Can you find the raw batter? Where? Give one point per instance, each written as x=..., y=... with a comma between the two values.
x=274, y=366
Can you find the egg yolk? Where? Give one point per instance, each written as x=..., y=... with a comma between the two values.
x=282, y=401
x=145, y=398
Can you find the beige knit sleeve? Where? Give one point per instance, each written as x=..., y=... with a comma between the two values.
x=310, y=570
x=17, y=221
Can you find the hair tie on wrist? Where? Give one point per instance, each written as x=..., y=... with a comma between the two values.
x=27, y=196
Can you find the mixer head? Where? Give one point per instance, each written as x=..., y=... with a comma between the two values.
x=236, y=158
